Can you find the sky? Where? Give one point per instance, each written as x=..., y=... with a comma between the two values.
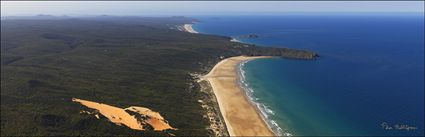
x=187, y=8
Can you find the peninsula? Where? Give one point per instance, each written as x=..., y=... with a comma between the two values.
x=122, y=61
x=240, y=115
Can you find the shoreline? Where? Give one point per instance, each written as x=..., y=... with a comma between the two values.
x=235, y=40
x=189, y=28
x=241, y=116
x=264, y=110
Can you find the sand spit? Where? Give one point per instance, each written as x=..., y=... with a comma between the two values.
x=140, y=119
x=242, y=118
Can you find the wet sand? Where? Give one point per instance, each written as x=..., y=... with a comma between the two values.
x=242, y=118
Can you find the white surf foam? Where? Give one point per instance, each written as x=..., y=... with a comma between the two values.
x=264, y=109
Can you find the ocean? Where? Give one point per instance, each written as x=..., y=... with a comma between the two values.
x=369, y=79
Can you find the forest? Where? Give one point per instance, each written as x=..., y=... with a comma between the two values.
x=122, y=61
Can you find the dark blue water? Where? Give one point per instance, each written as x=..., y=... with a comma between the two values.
x=370, y=73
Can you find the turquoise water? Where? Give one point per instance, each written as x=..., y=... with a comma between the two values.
x=370, y=73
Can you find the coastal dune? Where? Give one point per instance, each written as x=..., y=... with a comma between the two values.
x=189, y=28
x=145, y=117
x=242, y=118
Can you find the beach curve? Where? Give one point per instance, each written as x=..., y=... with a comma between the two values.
x=242, y=118
x=189, y=28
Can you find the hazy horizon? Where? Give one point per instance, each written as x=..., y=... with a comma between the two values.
x=195, y=8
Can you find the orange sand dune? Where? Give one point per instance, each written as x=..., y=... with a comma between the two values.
x=119, y=116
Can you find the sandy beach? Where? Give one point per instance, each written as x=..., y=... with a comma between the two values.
x=188, y=28
x=242, y=118
x=235, y=40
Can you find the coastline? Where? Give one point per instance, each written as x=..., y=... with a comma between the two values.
x=241, y=116
x=264, y=110
x=235, y=40
x=189, y=28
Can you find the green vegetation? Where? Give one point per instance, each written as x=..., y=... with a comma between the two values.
x=121, y=61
